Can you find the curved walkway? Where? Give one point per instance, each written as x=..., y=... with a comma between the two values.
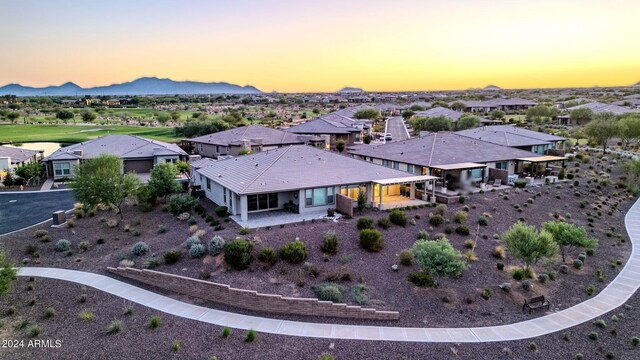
x=613, y=296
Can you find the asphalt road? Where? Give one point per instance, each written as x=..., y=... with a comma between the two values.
x=21, y=209
x=397, y=128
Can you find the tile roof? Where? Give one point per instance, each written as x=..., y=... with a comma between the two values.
x=17, y=155
x=441, y=148
x=293, y=167
x=509, y=135
x=268, y=135
x=123, y=146
x=598, y=107
x=451, y=114
x=337, y=122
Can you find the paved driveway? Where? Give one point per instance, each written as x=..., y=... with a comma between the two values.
x=397, y=128
x=22, y=209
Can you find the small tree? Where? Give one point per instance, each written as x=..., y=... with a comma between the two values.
x=568, y=236
x=184, y=168
x=340, y=145
x=371, y=114
x=529, y=245
x=8, y=179
x=407, y=114
x=438, y=258
x=29, y=171
x=458, y=106
x=367, y=139
x=13, y=116
x=467, y=121
x=581, y=116
x=629, y=128
x=362, y=200
x=602, y=128
x=7, y=274
x=100, y=181
x=437, y=123
x=538, y=114
x=88, y=115
x=163, y=179
x=496, y=114
x=64, y=115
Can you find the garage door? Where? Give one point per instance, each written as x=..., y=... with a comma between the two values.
x=138, y=166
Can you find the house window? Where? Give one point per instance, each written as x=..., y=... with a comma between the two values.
x=387, y=163
x=352, y=191
x=62, y=169
x=396, y=165
x=319, y=196
x=262, y=202
x=173, y=161
x=503, y=165
x=410, y=168
x=224, y=195
x=208, y=184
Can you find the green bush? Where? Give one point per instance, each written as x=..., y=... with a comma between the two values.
x=577, y=263
x=172, y=257
x=461, y=217
x=216, y=245
x=179, y=204
x=226, y=332
x=593, y=335
x=294, y=252
x=365, y=222
x=140, y=248
x=155, y=322
x=114, y=327
x=40, y=233
x=462, y=230
x=441, y=209
x=371, y=240
x=251, y=336
x=222, y=211
x=192, y=240
x=329, y=292
x=483, y=221
x=590, y=289
x=406, y=257
x=436, y=220
x=238, y=254
x=520, y=183
x=526, y=285
x=329, y=242
x=268, y=256
x=423, y=235
x=62, y=245
x=421, y=279
x=384, y=223
x=518, y=274
x=245, y=231
x=486, y=293
x=461, y=199
x=398, y=217
x=196, y=251
x=635, y=341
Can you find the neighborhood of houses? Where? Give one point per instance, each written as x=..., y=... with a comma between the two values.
x=265, y=175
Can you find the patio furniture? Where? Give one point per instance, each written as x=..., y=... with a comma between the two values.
x=290, y=206
x=537, y=302
x=497, y=182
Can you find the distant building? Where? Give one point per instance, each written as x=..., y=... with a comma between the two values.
x=512, y=136
x=11, y=158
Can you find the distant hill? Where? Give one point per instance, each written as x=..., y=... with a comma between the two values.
x=350, y=90
x=142, y=86
x=492, y=88
x=637, y=84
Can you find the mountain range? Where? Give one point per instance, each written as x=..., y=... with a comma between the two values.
x=141, y=86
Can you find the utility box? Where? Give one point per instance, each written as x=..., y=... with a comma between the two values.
x=59, y=217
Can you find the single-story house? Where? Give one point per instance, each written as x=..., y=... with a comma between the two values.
x=597, y=108
x=457, y=160
x=251, y=138
x=303, y=179
x=508, y=105
x=335, y=126
x=448, y=113
x=513, y=136
x=13, y=157
x=138, y=154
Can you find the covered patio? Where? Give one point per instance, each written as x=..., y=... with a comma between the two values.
x=539, y=167
x=461, y=176
x=403, y=191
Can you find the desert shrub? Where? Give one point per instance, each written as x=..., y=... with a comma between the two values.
x=371, y=240
x=245, y=231
x=196, y=251
x=384, y=223
x=365, y=222
x=590, y=289
x=192, y=240
x=423, y=235
x=226, y=332
x=543, y=278
x=582, y=257
x=486, y=293
x=398, y=217
x=216, y=245
x=577, y=263
x=593, y=335
x=140, y=248
x=461, y=217
x=462, y=230
x=564, y=269
x=268, y=256
x=180, y=203
x=329, y=292
x=483, y=221
x=192, y=220
x=162, y=229
x=436, y=220
x=635, y=341
x=600, y=323
x=62, y=245
x=520, y=183
x=518, y=274
x=176, y=345
x=40, y=233
x=462, y=199
x=406, y=257
x=500, y=265
x=50, y=312
x=293, y=252
x=84, y=245
x=238, y=254
x=499, y=252
x=172, y=257
x=114, y=327
x=222, y=211
x=441, y=209
x=155, y=322
x=329, y=242
x=420, y=279
x=526, y=285
x=251, y=336
x=469, y=244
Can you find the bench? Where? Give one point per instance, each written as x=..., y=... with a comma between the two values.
x=537, y=302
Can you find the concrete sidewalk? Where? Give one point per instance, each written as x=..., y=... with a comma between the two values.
x=613, y=296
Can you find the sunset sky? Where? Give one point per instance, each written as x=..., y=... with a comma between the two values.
x=303, y=45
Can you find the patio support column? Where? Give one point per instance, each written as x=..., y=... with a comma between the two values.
x=412, y=191
x=433, y=191
x=380, y=194
x=244, y=211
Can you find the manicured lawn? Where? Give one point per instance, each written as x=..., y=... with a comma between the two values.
x=79, y=133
